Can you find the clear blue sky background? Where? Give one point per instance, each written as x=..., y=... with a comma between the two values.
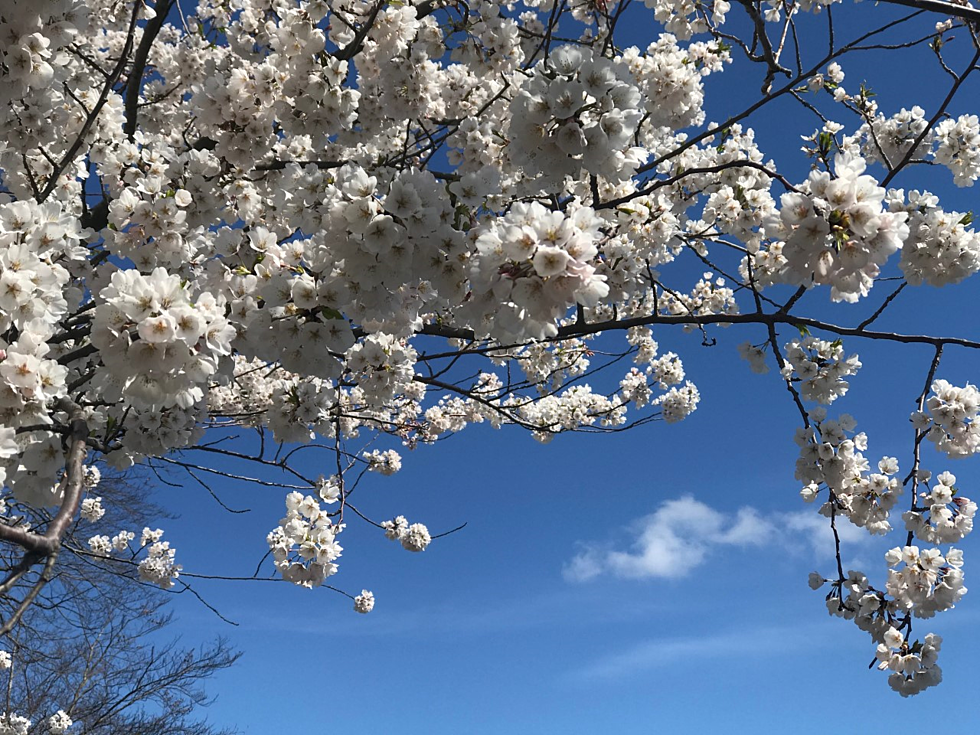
x=484, y=633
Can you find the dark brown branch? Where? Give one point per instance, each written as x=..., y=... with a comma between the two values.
x=135, y=81
x=937, y=6
x=780, y=317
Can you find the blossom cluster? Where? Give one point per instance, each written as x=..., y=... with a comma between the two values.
x=950, y=419
x=945, y=516
x=304, y=544
x=576, y=112
x=819, y=368
x=831, y=456
x=534, y=264
x=836, y=232
x=914, y=667
x=940, y=249
x=927, y=582
x=413, y=537
x=158, y=566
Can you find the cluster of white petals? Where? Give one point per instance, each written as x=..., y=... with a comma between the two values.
x=943, y=516
x=58, y=723
x=304, y=544
x=835, y=231
x=11, y=724
x=534, y=264
x=958, y=148
x=940, y=250
x=158, y=566
x=819, y=368
x=387, y=462
x=413, y=537
x=92, y=509
x=914, y=667
x=364, y=602
x=685, y=17
x=576, y=112
x=889, y=140
x=831, y=457
x=925, y=582
x=950, y=419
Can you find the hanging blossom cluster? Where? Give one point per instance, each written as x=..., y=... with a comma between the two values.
x=950, y=419
x=920, y=584
x=336, y=222
x=819, y=367
x=831, y=457
x=914, y=667
x=942, y=515
x=304, y=544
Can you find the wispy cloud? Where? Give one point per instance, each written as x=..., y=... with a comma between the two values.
x=546, y=608
x=664, y=652
x=680, y=535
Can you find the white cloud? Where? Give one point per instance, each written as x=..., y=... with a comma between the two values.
x=681, y=534
x=671, y=541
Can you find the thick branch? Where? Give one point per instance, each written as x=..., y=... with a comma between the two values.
x=937, y=6
x=781, y=317
x=135, y=80
x=41, y=545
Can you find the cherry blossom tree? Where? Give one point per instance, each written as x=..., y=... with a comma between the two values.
x=339, y=222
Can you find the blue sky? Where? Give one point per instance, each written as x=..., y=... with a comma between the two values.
x=484, y=633
x=491, y=630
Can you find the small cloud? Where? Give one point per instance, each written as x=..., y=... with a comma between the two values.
x=671, y=541
x=679, y=536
